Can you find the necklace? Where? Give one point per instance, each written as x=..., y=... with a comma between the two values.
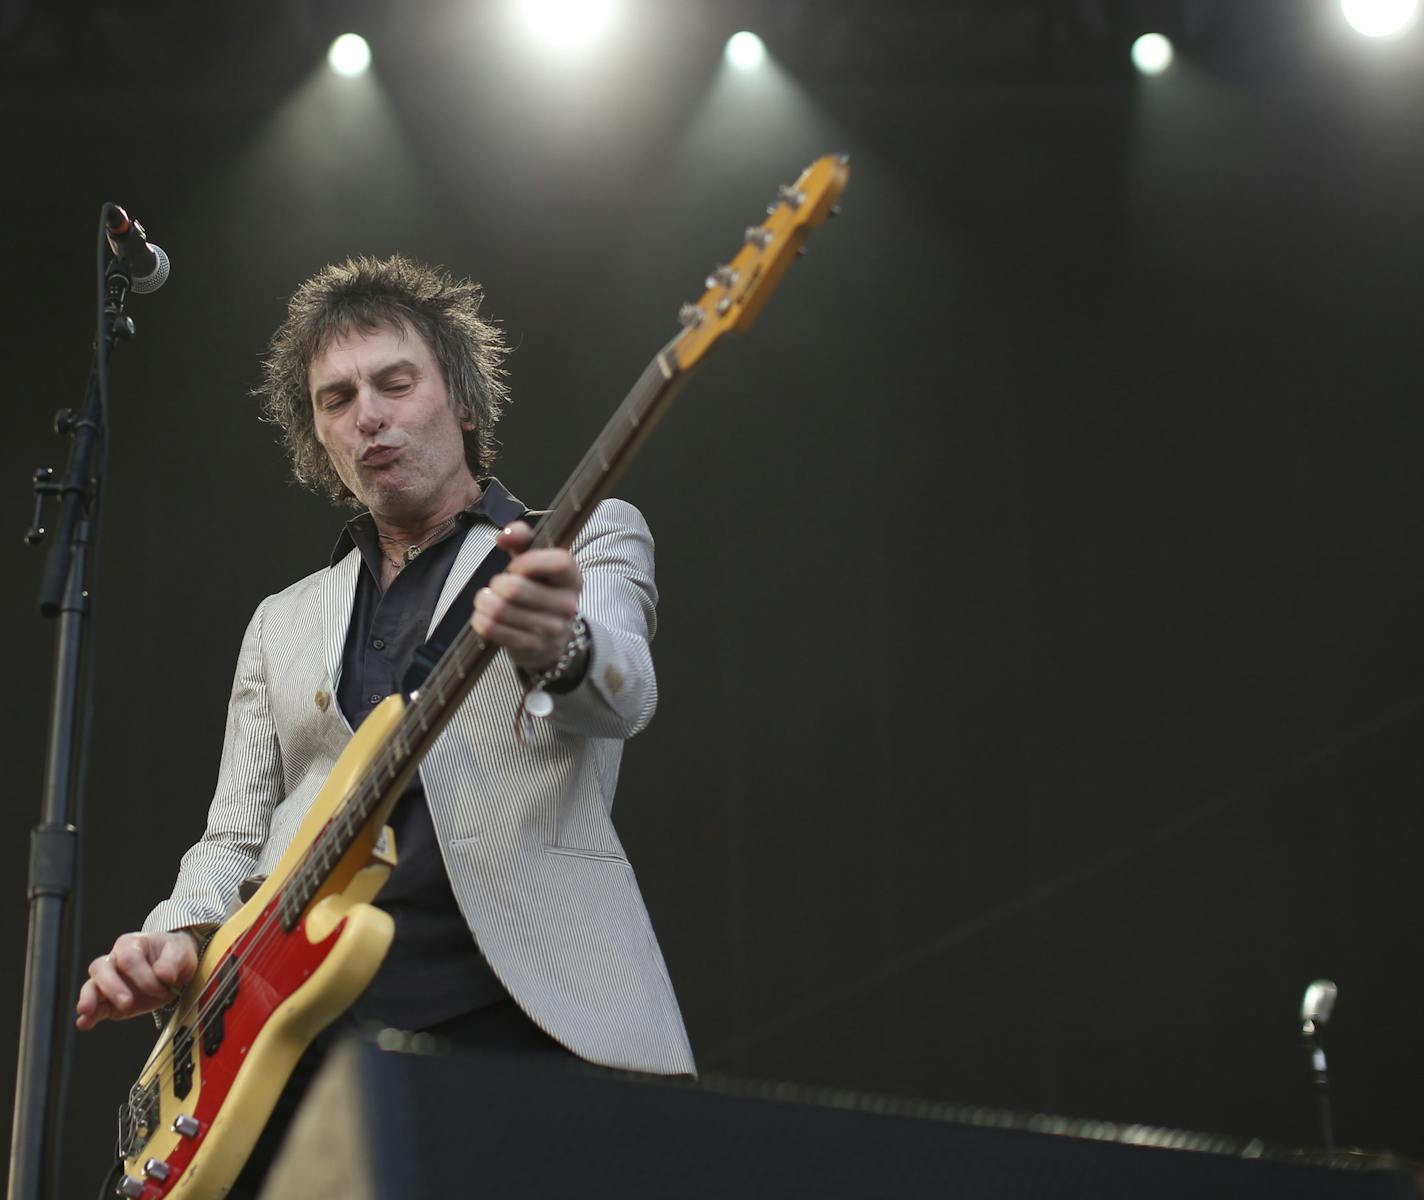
x=411, y=552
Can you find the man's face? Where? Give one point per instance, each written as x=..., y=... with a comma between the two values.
x=383, y=415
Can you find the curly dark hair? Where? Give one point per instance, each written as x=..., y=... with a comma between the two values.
x=366, y=294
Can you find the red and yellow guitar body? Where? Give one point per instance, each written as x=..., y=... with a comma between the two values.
x=260, y=995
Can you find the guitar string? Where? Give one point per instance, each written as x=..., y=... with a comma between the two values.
x=416, y=723
x=449, y=673
x=261, y=948
x=261, y=945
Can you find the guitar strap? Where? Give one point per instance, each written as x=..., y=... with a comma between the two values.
x=425, y=658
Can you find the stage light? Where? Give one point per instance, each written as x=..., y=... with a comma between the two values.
x=745, y=51
x=1152, y=54
x=567, y=24
x=1380, y=18
x=349, y=55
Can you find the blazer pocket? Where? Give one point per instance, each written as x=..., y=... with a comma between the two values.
x=592, y=855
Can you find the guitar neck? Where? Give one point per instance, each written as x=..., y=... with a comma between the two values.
x=735, y=294
x=614, y=448
x=429, y=710
x=592, y=480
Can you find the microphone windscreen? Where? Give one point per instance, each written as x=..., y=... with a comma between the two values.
x=1318, y=1001
x=157, y=277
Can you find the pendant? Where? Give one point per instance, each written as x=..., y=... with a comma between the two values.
x=411, y=552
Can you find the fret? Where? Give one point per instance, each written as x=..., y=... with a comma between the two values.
x=366, y=801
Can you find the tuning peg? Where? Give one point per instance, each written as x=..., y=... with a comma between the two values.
x=787, y=194
x=835, y=210
x=689, y=315
x=758, y=235
x=722, y=276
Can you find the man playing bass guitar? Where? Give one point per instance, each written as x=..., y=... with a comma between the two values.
x=518, y=922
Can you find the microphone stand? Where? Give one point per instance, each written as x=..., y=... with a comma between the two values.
x=1311, y=1036
x=66, y=593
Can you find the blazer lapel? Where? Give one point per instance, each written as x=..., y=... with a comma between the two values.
x=478, y=543
x=338, y=595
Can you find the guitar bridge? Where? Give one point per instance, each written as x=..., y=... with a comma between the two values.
x=138, y=1118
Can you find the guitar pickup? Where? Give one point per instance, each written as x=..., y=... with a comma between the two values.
x=182, y=1061
x=215, y=1004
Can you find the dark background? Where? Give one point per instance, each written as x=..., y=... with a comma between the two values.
x=1040, y=579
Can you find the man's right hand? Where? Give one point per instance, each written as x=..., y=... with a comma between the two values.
x=143, y=971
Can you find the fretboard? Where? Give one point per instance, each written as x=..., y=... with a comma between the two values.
x=735, y=293
x=429, y=710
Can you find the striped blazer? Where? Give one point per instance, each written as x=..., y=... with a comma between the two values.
x=533, y=858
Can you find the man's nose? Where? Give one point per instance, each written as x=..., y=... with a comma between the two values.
x=370, y=411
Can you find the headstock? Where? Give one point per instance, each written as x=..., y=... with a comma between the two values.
x=737, y=290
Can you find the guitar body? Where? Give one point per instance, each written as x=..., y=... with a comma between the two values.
x=260, y=995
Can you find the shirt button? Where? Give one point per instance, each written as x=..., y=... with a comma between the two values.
x=376, y=697
x=378, y=644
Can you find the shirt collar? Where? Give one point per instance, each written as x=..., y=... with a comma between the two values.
x=495, y=505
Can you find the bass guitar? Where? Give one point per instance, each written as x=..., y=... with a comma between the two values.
x=309, y=940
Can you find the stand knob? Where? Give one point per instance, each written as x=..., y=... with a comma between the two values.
x=44, y=486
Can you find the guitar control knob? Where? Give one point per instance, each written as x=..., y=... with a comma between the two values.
x=129, y=1186
x=156, y=1168
x=186, y=1125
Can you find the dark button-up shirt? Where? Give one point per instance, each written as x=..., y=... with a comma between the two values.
x=434, y=970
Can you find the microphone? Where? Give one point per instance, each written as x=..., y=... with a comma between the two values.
x=146, y=263
x=1316, y=1006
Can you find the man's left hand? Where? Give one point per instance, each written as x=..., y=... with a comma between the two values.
x=529, y=609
